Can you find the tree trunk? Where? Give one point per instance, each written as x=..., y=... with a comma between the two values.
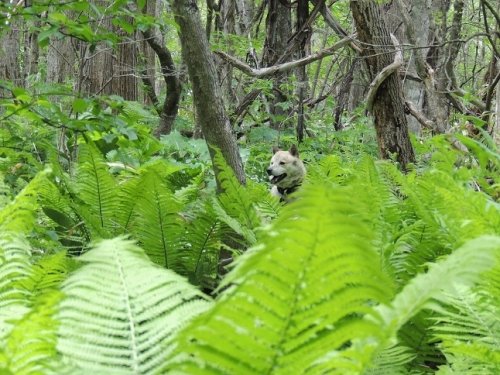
x=60, y=59
x=279, y=31
x=96, y=65
x=168, y=111
x=206, y=92
x=388, y=109
x=301, y=72
x=31, y=49
x=124, y=80
x=10, y=52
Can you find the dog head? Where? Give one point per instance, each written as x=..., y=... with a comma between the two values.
x=286, y=170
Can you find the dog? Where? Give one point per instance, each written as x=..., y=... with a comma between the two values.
x=286, y=172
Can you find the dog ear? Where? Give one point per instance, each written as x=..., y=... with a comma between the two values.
x=294, y=151
x=276, y=149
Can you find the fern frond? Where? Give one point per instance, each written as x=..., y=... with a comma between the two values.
x=4, y=192
x=15, y=272
x=468, y=327
x=306, y=288
x=31, y=346
x=392, y=360
x=98, y=191
x=200, y=246
x=19, y=215
x=463, y=266
x=120, y=311
x=157, y=224
x=267, y=206
x=235, y=199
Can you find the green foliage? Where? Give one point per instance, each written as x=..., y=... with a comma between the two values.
x=125, y=310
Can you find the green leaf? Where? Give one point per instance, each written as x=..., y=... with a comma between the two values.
x=44, y=36
x=79, y=105
x=120, y=311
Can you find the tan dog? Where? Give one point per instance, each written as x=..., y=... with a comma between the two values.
x=286, y=172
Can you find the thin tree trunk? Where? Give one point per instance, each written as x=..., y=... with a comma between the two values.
x=10, y=52
x=206, y=92
x=388, y=109
x=279, y=28
x=302, y=16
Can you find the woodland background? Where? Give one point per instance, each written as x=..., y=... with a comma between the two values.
x=134, y=138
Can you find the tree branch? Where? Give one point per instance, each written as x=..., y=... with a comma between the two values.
x=382, y=76
x=419, y=116
x=272, y=70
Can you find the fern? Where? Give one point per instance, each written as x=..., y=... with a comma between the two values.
x=120, y=311
x=236, y=202
x=31, y=346
x=312, y=297
x=200, y=246
x=306, y=288
x=468, y=326
x=15, y=272
x=19, y=215
x=157, y=223
x=97, y=191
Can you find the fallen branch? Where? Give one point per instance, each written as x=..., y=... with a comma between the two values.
x=384, y=73
x=272, y=70
x=419, y=116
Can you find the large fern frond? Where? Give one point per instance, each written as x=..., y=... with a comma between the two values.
x=200, y=245
x=120, y=311
x=468, y=327
x=15, y=272
x=31, y=346
x=235, y=200
x=157, y=223
x=306, y=288
x=98, y=192
x=19, y=215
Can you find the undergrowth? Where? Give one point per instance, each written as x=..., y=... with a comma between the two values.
x=110, y=261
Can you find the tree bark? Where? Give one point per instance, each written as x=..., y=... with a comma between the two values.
x=301, y=73
x=388, y=108
x=168, y=111
x=10, y=52
x=278, y=33
x=206, y=92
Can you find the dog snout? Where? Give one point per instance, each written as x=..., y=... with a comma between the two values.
x=269, y=171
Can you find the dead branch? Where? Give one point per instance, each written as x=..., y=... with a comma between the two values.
x=419, y=116
x=272, y=70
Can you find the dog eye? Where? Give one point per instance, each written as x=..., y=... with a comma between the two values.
x=282, y=163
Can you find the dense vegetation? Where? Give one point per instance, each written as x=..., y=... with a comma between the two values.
x=111, y=239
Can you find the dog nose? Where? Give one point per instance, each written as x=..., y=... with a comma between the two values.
x=269, y=171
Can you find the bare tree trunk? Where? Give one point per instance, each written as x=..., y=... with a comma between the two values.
x=228, y=22
x=10, y=51
x=147, y=60
x=301, y=72
x=124, y=72
x=31, y=49
x=96, y=64
x=168, y=110
x=388, y=109
x=206, y=92
x=279, y=27
x=61, y=59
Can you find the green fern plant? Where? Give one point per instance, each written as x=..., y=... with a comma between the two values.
x=312, y=297
x=97, y=192
x=120, y=312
